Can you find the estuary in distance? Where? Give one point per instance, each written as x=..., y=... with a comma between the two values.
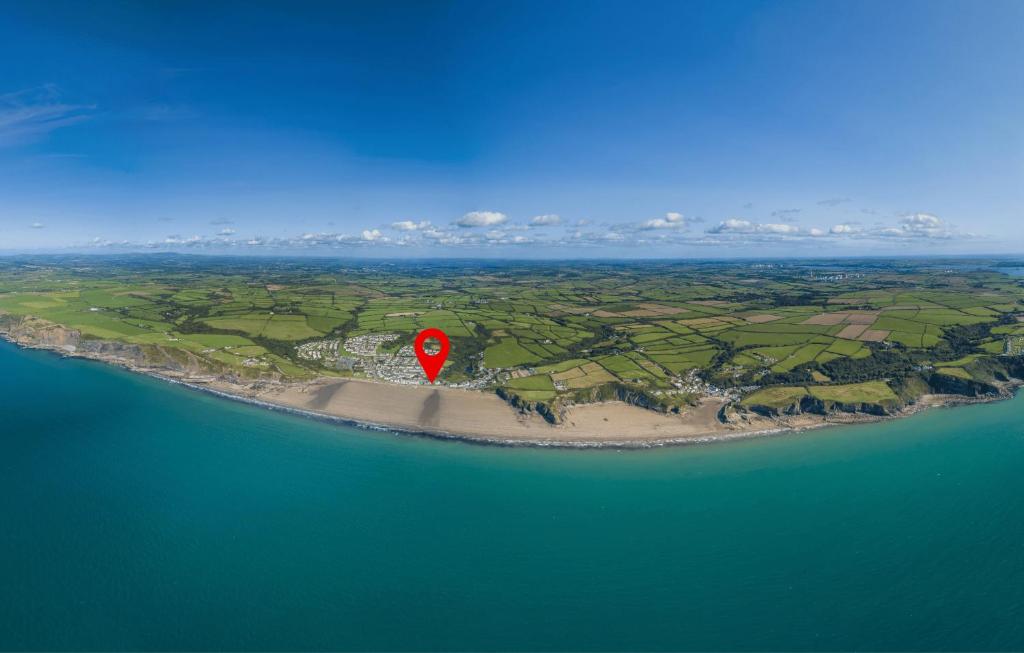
x=140, y=515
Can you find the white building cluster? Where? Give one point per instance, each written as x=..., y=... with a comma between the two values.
x=325, y=351
x=401, y=367
x=692, y=383
x=367, y=345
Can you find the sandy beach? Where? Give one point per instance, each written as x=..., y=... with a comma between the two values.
x=478, y=415
x=484, y=417
x=446, y=412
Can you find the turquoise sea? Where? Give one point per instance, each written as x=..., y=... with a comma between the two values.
x=139, y=515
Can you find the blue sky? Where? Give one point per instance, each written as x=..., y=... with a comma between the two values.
x=514, y=129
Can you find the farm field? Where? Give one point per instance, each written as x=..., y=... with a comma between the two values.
x=670, y=331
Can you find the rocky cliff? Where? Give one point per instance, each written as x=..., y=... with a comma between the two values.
x=38, y=333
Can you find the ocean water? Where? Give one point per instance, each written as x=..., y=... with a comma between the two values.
x=139, y=515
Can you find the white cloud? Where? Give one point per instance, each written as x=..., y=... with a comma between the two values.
x=772, y=228
x=672, y=220
x=409, y=225
x=740, y=226
x=911, y=227
x=31, y=113
x=915, y=226
x=482, y=219
x=733, y=225
x=37, y=225
x=662, y=233
x=842, y=229
x=178, y=240
x=924, y=225
x=545, y=220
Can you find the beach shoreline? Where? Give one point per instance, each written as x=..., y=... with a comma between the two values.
x=484, y=418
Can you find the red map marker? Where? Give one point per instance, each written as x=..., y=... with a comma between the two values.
x=431, y=363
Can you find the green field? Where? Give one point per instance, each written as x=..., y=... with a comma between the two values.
x=771, y=335
x=871, y=392
x=507, y=352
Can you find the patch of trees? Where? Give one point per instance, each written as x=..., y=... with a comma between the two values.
x=961, y=340
x=283, y=349
x=193, y=325
x=804, y=299
x=726, y=353
x=797, y=376
x=466, y=353
x=895, y=363
x=1015, y=366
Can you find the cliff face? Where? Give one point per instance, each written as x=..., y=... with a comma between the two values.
x=632, y=396
x=951, y=385
x=37, y=333
x=126, y=353
x=553, y=414
x=815, y=406
x=33, y=332
x=822, y=407
x=999, y=379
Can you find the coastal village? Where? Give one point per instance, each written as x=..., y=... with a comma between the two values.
x=364, y=355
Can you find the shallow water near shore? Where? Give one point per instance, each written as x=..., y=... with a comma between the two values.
x=135, y=514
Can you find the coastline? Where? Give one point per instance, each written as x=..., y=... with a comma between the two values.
x=483, y=418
